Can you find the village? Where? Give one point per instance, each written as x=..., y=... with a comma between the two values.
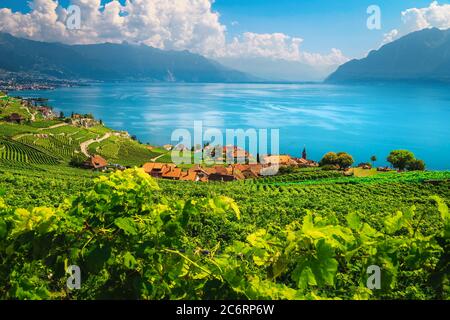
x=220, y=172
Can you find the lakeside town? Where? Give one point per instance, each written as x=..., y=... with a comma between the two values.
x=17, y=81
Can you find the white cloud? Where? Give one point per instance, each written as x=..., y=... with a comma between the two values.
x=168, y=24
x=335, y=57
x=390, y=36
x=165, y=24
x=414, y=19
x=275, y=45
x=278, y=46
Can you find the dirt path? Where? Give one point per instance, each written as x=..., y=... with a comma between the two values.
x=54, y=126
x=154, y=159
x=22, y=135
x=33, y=115
x=84, y=146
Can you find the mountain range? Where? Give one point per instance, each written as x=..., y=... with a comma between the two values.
x=110, y=62
x=419, y=56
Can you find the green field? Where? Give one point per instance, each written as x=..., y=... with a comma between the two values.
x=186, y=240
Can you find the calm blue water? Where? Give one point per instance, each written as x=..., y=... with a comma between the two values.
x=362, y=120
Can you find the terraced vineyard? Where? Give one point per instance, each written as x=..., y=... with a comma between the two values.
x=76, y=133
x=19, y=152
x=59, y=145
x=123, y=150
x=10, y=129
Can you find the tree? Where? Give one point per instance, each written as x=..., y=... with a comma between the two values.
x=78, y=160
x=373, y=159
x=61, y=115
x=330, y=158
x=344, y=160
x=400, y=158
x=415, y=165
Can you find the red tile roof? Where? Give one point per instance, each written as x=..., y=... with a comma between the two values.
x=189, y=176
x=98, y=162
x=172, y=173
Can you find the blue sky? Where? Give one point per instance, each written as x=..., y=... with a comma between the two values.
x=323, y=24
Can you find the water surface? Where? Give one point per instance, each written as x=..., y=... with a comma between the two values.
x=361, y=120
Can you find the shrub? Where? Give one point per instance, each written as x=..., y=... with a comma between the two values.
x=415, y=165
x=78, y=160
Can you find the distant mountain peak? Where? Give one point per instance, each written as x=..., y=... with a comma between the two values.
x=418, y=56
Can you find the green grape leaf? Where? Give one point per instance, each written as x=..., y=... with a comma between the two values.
x=129, y=261
x=317, y=270
x=354, y=221
x=127, y=225
x=394, y=223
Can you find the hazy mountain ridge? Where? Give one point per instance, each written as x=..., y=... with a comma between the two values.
x=419, y=56
x=110, y=62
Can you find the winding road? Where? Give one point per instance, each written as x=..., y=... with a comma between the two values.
x=84, y=146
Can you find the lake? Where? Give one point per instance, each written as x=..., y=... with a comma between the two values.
x=361, y=120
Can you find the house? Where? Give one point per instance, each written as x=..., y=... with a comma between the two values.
x=45, y=111
x=278, y=159
x=15, y=118
x=234, y=152
x=249, y=171
x=190, y=176
x=156, y=169
x=226, y=174
x=301, y=162
x=221, y=177
x=172, y=173
x=253, y=171
x=202, y=173
x=96, y=162
x=365, y=165
x=238, y=175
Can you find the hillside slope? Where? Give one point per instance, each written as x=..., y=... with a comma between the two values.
x=419, y=56
x=110, y=62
